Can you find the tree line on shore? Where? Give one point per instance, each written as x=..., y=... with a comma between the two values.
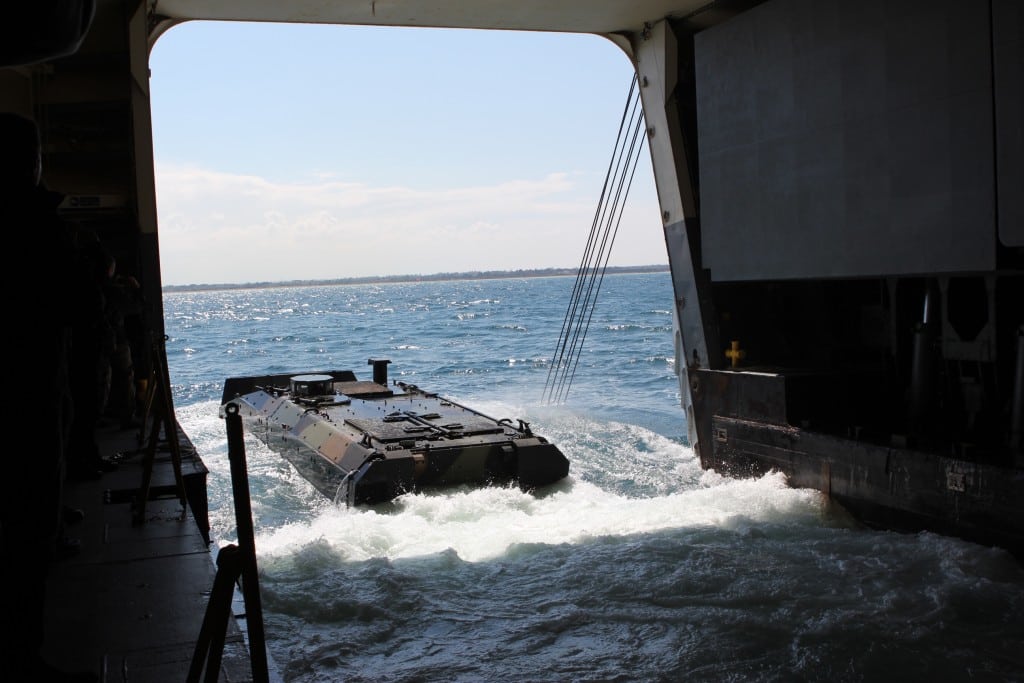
x=391, y=279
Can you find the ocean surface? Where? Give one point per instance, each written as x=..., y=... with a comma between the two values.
x=639, y=567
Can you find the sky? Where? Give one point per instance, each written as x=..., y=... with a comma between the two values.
x=294, y=152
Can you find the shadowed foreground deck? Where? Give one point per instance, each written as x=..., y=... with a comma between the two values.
x=131, y=604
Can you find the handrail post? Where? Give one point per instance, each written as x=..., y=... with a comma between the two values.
x=234, y=561
x=246, y=543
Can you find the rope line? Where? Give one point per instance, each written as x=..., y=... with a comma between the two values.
x=594, y=263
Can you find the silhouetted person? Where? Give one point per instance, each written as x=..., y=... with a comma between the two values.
x=92, y=343
x=124, y=311
x=31, y=495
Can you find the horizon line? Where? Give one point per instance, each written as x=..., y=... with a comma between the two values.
x=435, y=277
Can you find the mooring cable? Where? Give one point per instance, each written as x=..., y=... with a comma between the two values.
x=604, y=268
x=570, y=313
x=594, y=264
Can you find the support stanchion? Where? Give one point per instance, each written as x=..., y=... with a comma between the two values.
x=160, y=404
x=234, y=561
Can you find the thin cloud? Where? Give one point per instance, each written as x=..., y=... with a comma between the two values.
x=218, y=227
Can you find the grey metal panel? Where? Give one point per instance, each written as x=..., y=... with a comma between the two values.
x=841, y=139
x=389, y=431
x=1008, y=60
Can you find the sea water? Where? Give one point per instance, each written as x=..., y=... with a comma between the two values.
x=640, y=566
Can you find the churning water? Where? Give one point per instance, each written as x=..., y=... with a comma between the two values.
x=639, y=567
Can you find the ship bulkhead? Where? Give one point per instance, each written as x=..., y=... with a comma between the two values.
x=842, y=187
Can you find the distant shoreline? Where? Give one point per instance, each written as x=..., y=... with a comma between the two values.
x=437, y=277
